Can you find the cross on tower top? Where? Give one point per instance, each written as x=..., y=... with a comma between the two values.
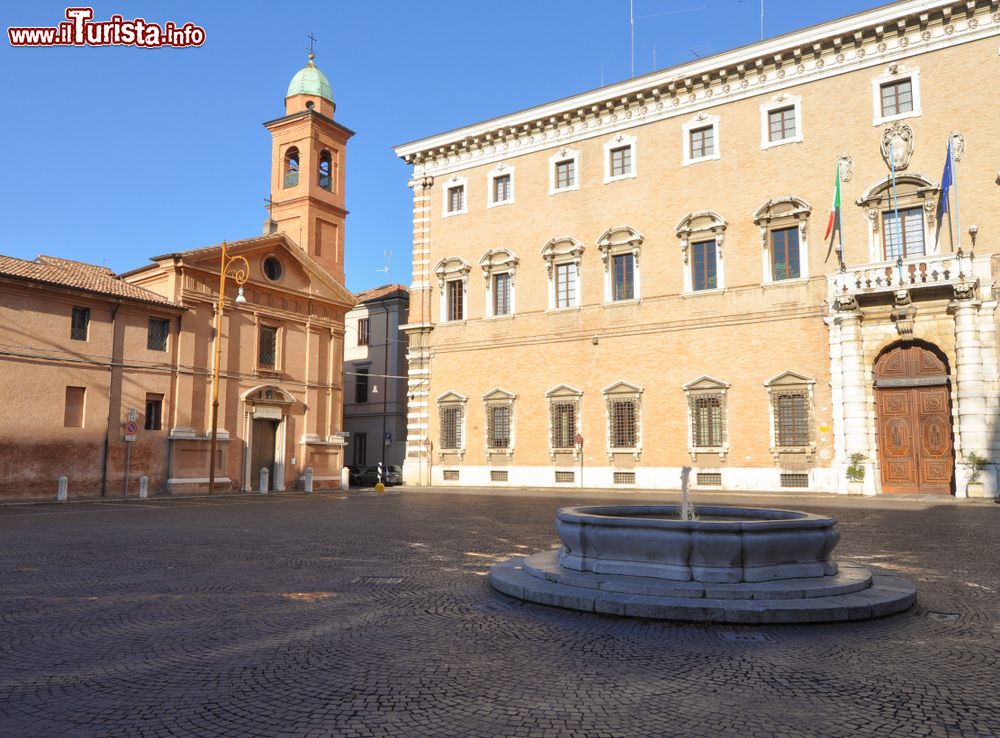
x=269, y=204
x=312, y=40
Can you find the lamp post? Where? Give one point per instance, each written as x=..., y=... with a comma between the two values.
x=240, y=276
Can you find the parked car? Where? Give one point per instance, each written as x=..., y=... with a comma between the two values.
x=364, y=476
x=393, y=475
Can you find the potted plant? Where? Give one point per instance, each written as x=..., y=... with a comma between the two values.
x=856, y=473
x=976, y=464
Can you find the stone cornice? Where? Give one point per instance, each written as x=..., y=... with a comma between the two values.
x=872, y=38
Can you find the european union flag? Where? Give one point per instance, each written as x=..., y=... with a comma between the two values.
x=946, y=182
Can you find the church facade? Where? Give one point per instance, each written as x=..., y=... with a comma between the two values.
x=650, y=275
x=117, y=371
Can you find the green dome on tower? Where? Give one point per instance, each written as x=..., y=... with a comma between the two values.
x=310, y=81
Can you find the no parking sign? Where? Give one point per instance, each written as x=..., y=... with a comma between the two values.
x=130, y=430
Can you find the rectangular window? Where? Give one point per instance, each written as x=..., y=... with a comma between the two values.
x=360, y=449
x=565, y=285
x=156, y=334
x=565, y=477
x=781, y=123
x=624, y=422
x=501, y=188
x=501, y=294
x=897, y=97
x=154, y=412
x=267, y=350
x=563, y=417
x=706, y=420
x=621, y=161
x=624, y=276
x=904, y=237
x=565, y=173
x=702, y=142
x=80, y=324
x=361, y=386
x=451, y=427
x=498, y=426
x=73, y=416
x=791, y=419
x=498, y=475
x=456, y=306
x=703, y=267
x=456, y=199
x=785, y=253
x=362, y=331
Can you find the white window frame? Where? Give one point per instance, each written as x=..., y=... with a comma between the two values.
x=776, y=103
x=563, y=393
x=494, y=262
x=453, y=182
x=500, y=170
x=915, y=189
x=622, y=390
x=499, y=397
x=564, y=154
x=563, y=250
x=621, y=141
x=447, y=270
x=707, y=385
x=614, y=242
x=895, y=73
x=790, y=381
x=702, y=120
x=703, y=225
x=449, y=400
x=791, y=212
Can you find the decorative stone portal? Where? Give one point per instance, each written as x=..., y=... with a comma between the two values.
x=266, y=410
x=913, y=405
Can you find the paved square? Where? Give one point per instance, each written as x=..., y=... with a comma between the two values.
x=369, y=615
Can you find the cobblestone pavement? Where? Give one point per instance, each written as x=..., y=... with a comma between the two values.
x=366, y=615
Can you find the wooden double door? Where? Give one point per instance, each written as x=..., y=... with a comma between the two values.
x=913, y=399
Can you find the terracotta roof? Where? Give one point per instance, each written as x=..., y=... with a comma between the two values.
x=240, y=243
x=379, y=293
x=77, y=275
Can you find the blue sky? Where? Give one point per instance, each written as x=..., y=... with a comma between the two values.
x=118, y=154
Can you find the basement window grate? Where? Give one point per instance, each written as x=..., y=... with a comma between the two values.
x=794, y=480
x=624, y=477
x=450, y=475
x=709, y=479
x=565, y=477
x=498, y=476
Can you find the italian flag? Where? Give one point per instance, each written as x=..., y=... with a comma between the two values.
x=835, y=208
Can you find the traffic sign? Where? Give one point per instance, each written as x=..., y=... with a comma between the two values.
x=579, y=440
x=131, y=428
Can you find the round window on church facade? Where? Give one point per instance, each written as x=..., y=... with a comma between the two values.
x=273, y=269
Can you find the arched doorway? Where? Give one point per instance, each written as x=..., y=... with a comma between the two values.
x=913, y=401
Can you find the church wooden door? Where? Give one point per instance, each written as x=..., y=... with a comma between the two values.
x=914, y=421
x=262, y=451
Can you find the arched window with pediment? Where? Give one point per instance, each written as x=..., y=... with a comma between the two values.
x=782, y=223
x=620, y=247
x=499, y=268
x=702, y=235
x=902, y=224
x=562, y=257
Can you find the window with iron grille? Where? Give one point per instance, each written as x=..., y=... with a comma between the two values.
x=501, y=294
x=501, y=188
x=904, y=236
x=781, y=123
x=706, y=420
x=498, y=475
x=156, y=334
x=565, y=173
x=623, y=417
x=704, y=271
x=361, y=385
x=450, y=475
x=702, y=141
x=363, y=335
x=794, y=480
x=79, y=324
x=451, y=427
x=267, y=347
x=498, y=426
x=563, y=421
x=154, y=412
x=791, y=419
x=897, y=97
x=624, y=276
x=621, y=161
x=565, y=477
x=565, y=285
x=708, y=479
x=785, y=253
x=621, y=477
x=456, y=301
x=456, y=199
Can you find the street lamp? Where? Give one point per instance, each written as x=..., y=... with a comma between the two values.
x=240, y=276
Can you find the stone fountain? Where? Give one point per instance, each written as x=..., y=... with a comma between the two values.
x=704, y=563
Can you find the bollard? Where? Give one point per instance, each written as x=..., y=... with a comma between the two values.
x=307, y=480
x=63, y=488
x=264, y=475
x=143, y=488
x=345, y=479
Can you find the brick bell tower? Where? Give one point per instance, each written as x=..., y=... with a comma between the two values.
x=307, y=170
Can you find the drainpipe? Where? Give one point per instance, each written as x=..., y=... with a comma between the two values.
x=111, y=381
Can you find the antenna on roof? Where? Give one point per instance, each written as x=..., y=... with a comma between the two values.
x=631, y=28
x=761, y=20
x=388, y=260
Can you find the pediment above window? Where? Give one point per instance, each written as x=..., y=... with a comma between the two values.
x=789, y=379
x=451, y=267
x=907, y=186
x=782, y=208
x=451, y=397
x=497, y=260
x=563, y=390
x=269, y=394
x=622, y=388
x=618, y=239
x=703, y=222
x=705, y=383
x=564, y=246
x=499, y=395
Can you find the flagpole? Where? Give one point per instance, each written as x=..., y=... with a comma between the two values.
x=895, y=207
x=954, y=184
x=840, y=230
